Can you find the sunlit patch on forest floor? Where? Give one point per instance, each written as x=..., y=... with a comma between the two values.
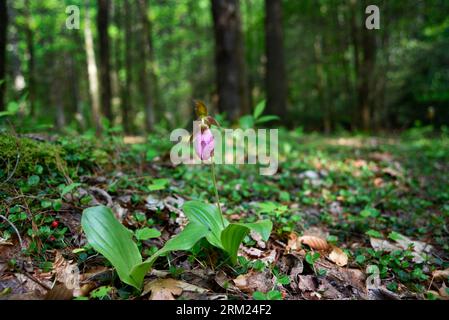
x=354, y=218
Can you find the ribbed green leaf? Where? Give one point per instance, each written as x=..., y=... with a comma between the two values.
x=185, y=240
x=259, y=109
x=209, y=216
x=231, y=237
x=264, y=119
x=262, y=227
x=110, y=238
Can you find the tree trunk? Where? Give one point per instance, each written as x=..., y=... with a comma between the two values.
x=365, y=48
x=126, y=93
x=92, y=72
x=29, y=36
x=232, y=84
x=105, y=66
x=276, y=84
x=3, y=40
x=57, y=91
x=322, y=85
x=367, y=76
x=148, y=68
x=356, y=60
x=77, y=78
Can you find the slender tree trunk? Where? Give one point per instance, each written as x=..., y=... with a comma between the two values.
x=92, y=72
x=80, y=82
x=232, y=84
x=356, y=57
x=29, y=36
x=126, y=93
x=252, y=49
x=152, y=63
x=18, y=79
x=276, y=83
x=380, y=112
x=147, y=74
x=57, y=92
x=117, y=62
x=105, y=66
x=367, y=76
x=322, y=87
x=3, y=40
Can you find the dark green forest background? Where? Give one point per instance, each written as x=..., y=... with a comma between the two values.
x=136, y=65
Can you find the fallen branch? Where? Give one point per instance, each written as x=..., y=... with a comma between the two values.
x=15, y=229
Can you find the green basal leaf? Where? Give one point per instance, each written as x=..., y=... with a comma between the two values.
x=110, y=238
x=232, y=237
x=185, y=240
x=209, y=216
x=262, y=227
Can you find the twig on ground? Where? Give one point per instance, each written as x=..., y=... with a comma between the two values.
x=14, y=170
x=33, y=278
x=15, y=230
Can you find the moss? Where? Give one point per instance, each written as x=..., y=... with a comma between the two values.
x=31, y=153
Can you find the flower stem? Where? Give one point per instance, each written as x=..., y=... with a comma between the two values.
x=217, y=198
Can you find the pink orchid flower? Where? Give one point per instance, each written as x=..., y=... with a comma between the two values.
x=204, y=144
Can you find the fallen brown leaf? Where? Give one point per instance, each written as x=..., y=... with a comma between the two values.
x=328, y=291
x=443, y=291
x=269, y=256
x=166, y=289
x=252, y=252
x=338, y=256
x=314, y=242
x=292, y=242
x=378, y=182
x=67, y=273
x=59, y=292
x=254, y=281
x=307, y=283
x=223, y=281
x=441, y=274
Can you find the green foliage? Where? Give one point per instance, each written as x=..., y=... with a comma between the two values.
x=101, y=293
x=411, y=200
x=206, y=221
x=147, y=233
x=110, y=238
x=312, y=257
x=158, y=184
x=21, y=156
x=270, y=295
x=250, y=121
x=69, y=188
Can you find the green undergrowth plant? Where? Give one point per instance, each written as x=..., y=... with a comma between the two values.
x=115, y=242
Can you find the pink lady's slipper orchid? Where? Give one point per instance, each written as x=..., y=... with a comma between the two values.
x=204, y=143
x=203, y=139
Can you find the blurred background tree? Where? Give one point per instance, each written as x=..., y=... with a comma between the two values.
x=137, y=65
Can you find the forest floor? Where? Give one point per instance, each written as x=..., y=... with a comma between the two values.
x=354, y=218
